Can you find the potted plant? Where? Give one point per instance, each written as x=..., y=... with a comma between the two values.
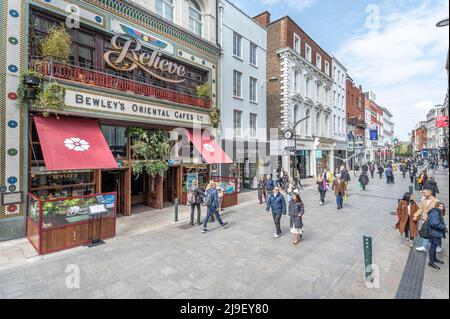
x=53, y=97
x=204, y=92
x=30, y=86
x=56, y=46
x=215, y=117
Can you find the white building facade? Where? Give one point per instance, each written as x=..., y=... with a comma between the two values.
x=339, y=120
x=388, y=134
x=197, y=16
x=243, y=99
x=306, y=94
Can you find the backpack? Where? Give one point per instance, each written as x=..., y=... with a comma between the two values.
x=208, y=198
x=191, y=197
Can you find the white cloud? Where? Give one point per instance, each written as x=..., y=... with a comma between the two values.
x=402, y=61
x=298, y=5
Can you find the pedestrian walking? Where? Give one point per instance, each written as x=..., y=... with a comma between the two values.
x=340, y=191
x=277, y=204
x=372, y=169
x=269, y=185
x=428, y=202
x=437, y=232
x=296, y=211
x=432, y=185
x=363, y=180
x=262, y=196
x=212, y=204
x=406, y=209
x=389, y=175
x=322, y=189
x=195, y=198
x=412, y=173
x=380, y=170
x=345, y=175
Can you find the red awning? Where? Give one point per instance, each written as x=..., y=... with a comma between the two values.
x=205, y=145
x=72, y=144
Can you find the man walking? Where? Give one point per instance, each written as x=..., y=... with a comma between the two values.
x=340, y=190
x=364, y=180
x=212, y=204
x=372, y=169
x=277, y=204
x=269, y=185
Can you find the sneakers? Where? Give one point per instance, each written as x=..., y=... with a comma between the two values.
x=275, y=235
x=204, y=230
x=439, y=249
x=422, y=249
x=439, y=261
x=225, y=225
x=411, y=244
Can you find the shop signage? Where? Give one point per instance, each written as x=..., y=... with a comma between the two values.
x=147, y=38
x=319, y=154
x=11, y=198
x=128, y=57
x=442, y=121
x=142, y=110
x=374, y=135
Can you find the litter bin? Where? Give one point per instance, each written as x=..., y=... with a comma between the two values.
x=416, y=184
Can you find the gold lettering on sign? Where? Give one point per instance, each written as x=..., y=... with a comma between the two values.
x=126, y=58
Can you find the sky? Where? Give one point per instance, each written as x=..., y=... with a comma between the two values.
x=392, y=48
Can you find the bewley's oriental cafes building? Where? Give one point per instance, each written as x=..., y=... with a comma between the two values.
x=128, y=68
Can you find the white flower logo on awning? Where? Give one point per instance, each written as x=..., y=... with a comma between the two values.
x=76, y=144
x=209, y=147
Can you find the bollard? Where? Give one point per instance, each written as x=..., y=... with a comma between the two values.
x=367, y=243
x=176, y=210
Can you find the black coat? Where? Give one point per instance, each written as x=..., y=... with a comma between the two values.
x=296, y=209
x=364, y=179
x=199, y=195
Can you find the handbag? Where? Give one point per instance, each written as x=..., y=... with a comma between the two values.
x=424, y=231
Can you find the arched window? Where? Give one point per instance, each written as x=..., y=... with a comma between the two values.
x=195, y=17
x=317, y=123
x=307, y=126
x=325, y=130
x=165, y=9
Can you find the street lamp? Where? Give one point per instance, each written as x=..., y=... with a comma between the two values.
x=290, y=133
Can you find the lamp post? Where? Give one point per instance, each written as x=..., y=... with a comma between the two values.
x=290, y=134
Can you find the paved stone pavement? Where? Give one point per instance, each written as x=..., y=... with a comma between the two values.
x=243, y=261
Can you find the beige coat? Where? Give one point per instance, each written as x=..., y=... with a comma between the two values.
x=424, y=208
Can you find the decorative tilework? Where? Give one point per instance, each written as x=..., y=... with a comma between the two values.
x=12, y=188
x=12, y=124
x=12, y=152
x=13, y=13
x=13, y=40
x=12, y=68
x=12, y=96
x=12, y=179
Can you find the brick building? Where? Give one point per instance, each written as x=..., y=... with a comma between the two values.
x=356, y=124
x=299, y=88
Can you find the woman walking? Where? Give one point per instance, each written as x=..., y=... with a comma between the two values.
x=406, y=208
x=195, y=198
x=261, y=189
x=437, y=232
x=296, y=211
x=322, y=188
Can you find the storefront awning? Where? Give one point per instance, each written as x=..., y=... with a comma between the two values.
x=73, y=144
x=211, y=152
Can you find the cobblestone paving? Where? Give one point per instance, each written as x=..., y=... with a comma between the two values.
x=243, y=261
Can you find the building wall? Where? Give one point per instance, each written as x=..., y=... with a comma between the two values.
x=181, y=14
x=353, y=107
x=339, y=97
x=235, y=21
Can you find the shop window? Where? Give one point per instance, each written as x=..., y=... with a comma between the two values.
x=115, y=136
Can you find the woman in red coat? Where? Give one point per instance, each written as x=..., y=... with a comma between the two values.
x=406, y=208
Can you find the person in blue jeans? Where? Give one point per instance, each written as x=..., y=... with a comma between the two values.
x=277, y=204
x=340, y=189
x=212, y=204
x=437, y=232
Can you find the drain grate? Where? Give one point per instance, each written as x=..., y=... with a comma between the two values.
x=410, y=286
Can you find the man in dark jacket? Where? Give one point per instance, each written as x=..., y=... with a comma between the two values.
x=412, y=173
x=212, y=202
x=364, y=180
x=345, y=176
x=277, y=204
x=389, y=175
x=380, y=170
x=432, y=185
x=437, y=232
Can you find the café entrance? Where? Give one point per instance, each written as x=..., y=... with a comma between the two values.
x=114, y=181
